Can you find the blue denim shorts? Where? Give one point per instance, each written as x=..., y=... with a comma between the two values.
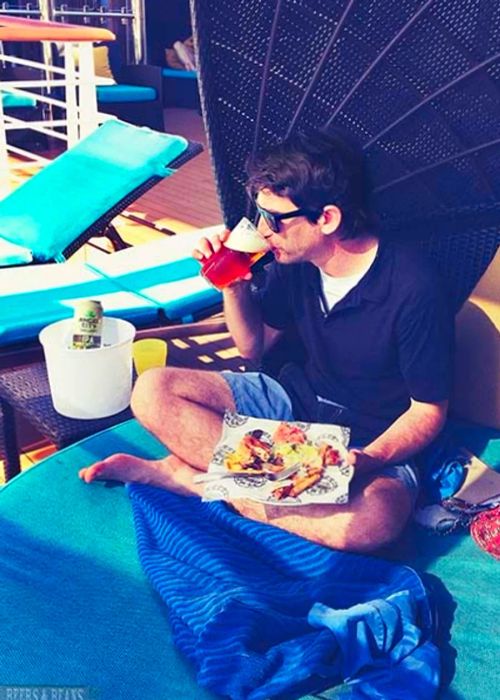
x=257, y=394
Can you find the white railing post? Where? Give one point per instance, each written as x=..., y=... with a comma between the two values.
x=71, y=100
x=87, y=101
x=4, y=156
x=77, y=83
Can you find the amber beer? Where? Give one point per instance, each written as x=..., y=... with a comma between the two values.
x=238, y=253
x=87, y=325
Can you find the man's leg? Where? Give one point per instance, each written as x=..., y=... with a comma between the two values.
x=184, y=410
x=378, y=510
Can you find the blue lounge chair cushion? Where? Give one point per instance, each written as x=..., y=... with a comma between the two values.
x=13, y=254
x=11, y=100
x=35, y=296
x=105, y=638
x=77, y=598
x=165, y=273
x=184, y=74
x=60, y=202
x=125, y=93
x=135, y=284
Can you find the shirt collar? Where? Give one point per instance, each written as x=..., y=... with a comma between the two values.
x=375, y=284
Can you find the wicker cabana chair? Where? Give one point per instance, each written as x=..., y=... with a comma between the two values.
x=416, y=82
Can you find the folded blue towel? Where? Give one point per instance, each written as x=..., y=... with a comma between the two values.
x=264, y=614
x=443, y=467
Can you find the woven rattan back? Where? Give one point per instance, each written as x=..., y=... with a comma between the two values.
x=416, y=82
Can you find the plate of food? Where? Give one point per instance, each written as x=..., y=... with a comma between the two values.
x=279, y=462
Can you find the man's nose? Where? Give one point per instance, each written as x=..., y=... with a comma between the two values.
x=263, y=228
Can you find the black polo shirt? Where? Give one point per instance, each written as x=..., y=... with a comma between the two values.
x=390, y=338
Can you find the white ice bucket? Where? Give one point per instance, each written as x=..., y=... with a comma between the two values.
x=92, y=383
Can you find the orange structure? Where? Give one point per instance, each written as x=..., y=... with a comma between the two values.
x=20, y=29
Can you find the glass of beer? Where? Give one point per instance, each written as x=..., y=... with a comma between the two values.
x=238, y=253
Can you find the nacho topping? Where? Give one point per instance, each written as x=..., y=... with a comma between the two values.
x=289, y=447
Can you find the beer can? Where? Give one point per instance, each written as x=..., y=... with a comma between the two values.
x=87, y=325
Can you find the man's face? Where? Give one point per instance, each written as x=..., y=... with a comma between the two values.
x=298, y=240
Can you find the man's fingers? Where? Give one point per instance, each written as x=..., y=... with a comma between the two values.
x=352, y=457
x=363, y=461
x=203, y=249
x=208, y=246
x=218, y=239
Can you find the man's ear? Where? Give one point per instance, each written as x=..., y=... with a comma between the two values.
x=330, y=220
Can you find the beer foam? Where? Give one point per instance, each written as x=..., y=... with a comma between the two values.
x=245, y=238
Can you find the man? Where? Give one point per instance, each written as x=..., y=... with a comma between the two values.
x=376, y=339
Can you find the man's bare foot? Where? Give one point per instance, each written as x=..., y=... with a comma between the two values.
x=169, y=473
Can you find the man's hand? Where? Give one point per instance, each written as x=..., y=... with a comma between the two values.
x=208, y=246
x=363, y=462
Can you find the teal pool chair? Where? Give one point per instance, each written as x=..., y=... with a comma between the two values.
x=137, y=96
x=73, y=199
x=79, y=193
x=151, y=285
x=25, y=108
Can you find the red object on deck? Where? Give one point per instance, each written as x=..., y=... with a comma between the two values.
x=485, y=531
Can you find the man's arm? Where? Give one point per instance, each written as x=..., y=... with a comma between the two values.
x=424, y=335
x=408, y=435
x=251, y=335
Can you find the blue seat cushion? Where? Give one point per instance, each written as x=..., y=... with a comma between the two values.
x=165, y=273
x=35, y=296
x=183, y=74
x=10, y=100
x=127, y=283
x=94, y=176
x=106, y=637
x=77, y=597
x=125, y=93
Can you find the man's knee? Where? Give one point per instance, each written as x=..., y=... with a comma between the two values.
x=151, y=391
x=381, y=519
x=375, y=517
x=368, y=536
x=172, y=388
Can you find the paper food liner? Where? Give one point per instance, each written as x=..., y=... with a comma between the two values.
x=333, y=487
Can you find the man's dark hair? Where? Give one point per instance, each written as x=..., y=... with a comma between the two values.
x=314, y=169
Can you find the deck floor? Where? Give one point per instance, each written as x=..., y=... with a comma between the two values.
x=189, y=199
x=181, y=203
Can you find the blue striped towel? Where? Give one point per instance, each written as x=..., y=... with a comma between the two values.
x=264, y=614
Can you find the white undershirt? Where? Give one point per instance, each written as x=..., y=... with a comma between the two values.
x=336, y=288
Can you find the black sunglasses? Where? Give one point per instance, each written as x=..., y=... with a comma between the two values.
x=273, y=220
